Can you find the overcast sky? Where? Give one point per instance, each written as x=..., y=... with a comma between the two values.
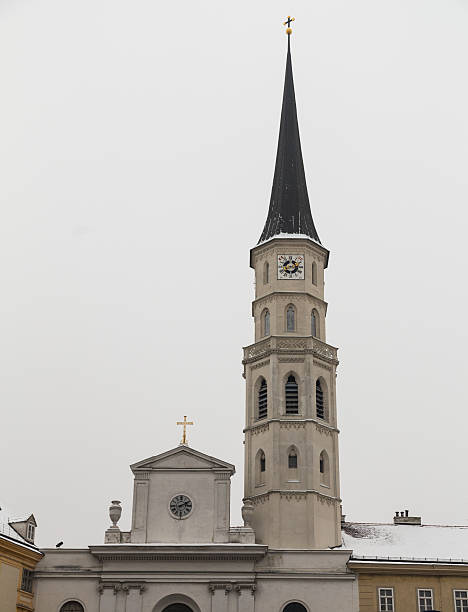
x=137, y=146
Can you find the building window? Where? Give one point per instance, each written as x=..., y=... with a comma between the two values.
x=314, y=324
x=30, y=532
x=290, y=318
x=26, y=581
x=319, y=400
x=292, y=395
x=262, y=399
x=461, y=601
x=266, y=273
x=324, y=469
x=260, y=468
x=292, y=460
x=314, y=273
x=386, y=600
x=266, y=322
x=425, y=600
x=72, y=606
x=294, y=607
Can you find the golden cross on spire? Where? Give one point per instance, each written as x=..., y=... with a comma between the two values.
x=184, y=423
x=288, y=23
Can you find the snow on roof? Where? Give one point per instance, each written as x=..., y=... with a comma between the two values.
x=7, y=530
x=289, y=236
x=406, y=542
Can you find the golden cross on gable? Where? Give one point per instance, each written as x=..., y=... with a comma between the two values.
x=184, y=423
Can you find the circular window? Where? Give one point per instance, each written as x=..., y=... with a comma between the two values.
x=295, y=607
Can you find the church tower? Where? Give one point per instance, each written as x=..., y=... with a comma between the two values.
x=291, y=435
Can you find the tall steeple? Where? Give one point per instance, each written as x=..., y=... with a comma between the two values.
x=289, y=211
x=292, y=476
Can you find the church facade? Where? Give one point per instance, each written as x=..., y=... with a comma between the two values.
x=181, y=553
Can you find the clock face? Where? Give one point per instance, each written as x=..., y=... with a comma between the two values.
x=180, y=506
x=290, y=267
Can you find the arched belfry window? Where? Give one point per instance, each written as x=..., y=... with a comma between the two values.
x=262, y=399
x=266, y=273
x=290, y=318
x=262, y=462
x=314, y=324
x=72, y=606
x=314, y=273
x=321, y=399
x=266, y=322
x=292, y=459
x=294, y=607
x=324, y=469
x=292, y=395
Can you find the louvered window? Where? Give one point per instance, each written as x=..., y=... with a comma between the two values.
x=319, y=400
x=292, y=396
x=27, y=580
x=262, y=400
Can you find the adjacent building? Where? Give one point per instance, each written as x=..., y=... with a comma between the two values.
x=409, y=567
x=18, y=559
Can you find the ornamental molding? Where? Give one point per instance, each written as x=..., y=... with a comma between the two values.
x=260, y=364
x=306, y=345
x=293, y=423
x=228, y=587
x=257, y=429
x=291, y=360
x=278, y=246
x=324, y=366
x=296, y=495
x=116, y=587
x=142, y=476
x=222, y=476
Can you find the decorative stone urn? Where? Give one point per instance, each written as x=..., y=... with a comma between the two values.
x=247, y=512
x=115, y=512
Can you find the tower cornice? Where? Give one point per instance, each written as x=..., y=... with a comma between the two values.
x=289, y=240
x=295, y=344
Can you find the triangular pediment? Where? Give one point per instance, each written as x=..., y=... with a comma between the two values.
x=182, y=458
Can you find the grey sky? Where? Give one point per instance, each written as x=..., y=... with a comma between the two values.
x=136, y=152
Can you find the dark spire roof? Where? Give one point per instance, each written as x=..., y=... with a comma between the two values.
x=289, y=211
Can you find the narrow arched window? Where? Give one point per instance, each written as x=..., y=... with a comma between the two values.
x=266, y=323
x=292, y=395
x=262, y=400
x=324, y=469
x=260, y=467
x=292, y=460
x=72, y=606
x=290, y=318
x=319, y=400
x=314, y=324
x=314, y=273
x=266, y=273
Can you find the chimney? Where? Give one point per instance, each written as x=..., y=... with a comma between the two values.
x=403, y=518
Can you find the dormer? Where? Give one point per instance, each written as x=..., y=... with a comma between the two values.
x=25, y=528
